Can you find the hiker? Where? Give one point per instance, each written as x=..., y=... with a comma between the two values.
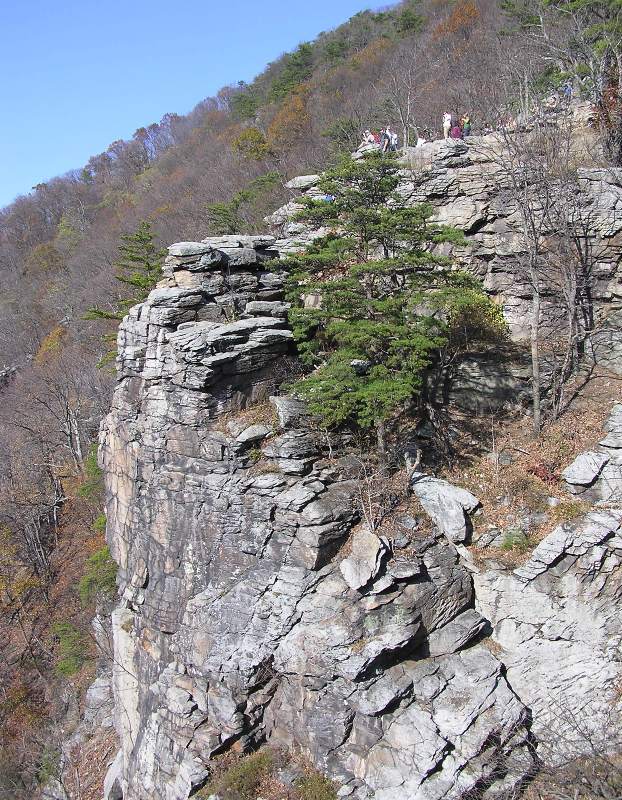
x=465, y=124
x=456, y=131
x=550, y=102
x=567, y=91
x=376, y=136
x=368, y=137
x=385, y=138
x=446, y=125
x=394, y=142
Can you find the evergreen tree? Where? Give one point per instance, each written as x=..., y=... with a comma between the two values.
x=297, y=67
x=139, y=267
x=226, y=217
x=387, y=302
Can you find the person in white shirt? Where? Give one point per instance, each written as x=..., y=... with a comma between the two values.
x=446, y=125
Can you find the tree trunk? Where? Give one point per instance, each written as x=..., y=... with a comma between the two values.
x=535, y=356
x=381, y=446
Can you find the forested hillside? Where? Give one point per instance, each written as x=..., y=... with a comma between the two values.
x=219, y=170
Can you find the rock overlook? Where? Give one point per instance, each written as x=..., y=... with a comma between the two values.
x=258, y=607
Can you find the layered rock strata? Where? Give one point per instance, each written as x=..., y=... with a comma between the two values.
x=240, y=620
x=256, y=606
x=467, y=185
x=556, y=620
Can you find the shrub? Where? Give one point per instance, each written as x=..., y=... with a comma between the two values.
x=51, y=345
x=72, y=649
x=49, y=765
x=316, y=787
x=99, y=578
x=99, y=523
x=515, y=539
x=568, y=510
x=252, y=144
x=241, y=780
x=93, y=484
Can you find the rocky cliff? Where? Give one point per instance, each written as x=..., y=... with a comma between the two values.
x=467, y=184
x=256, y=605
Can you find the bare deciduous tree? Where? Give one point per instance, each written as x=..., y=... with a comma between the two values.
x=537, y=168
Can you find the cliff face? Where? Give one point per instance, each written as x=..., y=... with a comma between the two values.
x=256, y=605
x=468, y=186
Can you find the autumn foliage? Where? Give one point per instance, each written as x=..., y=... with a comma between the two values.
x=292, y=119
x=462, y=19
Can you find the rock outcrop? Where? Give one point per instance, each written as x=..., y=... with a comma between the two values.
x=597, y=475
x=240, y=621
x=557, y=617
x=256, y=604
x=466, y=183
x=557, y=621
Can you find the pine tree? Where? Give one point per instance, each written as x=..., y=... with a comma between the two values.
x=226, y=217
x=139, y=267
x=387, y=302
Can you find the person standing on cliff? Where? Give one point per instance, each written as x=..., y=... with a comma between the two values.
x=456, y=132
x=446, y=125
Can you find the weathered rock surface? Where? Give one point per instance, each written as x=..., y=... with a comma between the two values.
x=464, y=182
x=248, y=614
x=596, y=475
x=585, y=469
x=237, y=623
x=302, y=182
x=448, y=506
x=368, y=554
x=557, y=620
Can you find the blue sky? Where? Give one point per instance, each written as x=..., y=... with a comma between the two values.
x=78, y=74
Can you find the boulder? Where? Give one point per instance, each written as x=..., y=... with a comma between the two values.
x=368, y=554
x=254, y=433
x=265, y=308
x=302, y=182
x=457, y=633
x=448, y=506
x=289, y=410
x=364, y=149
x=185, y=249
x=584, y=470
